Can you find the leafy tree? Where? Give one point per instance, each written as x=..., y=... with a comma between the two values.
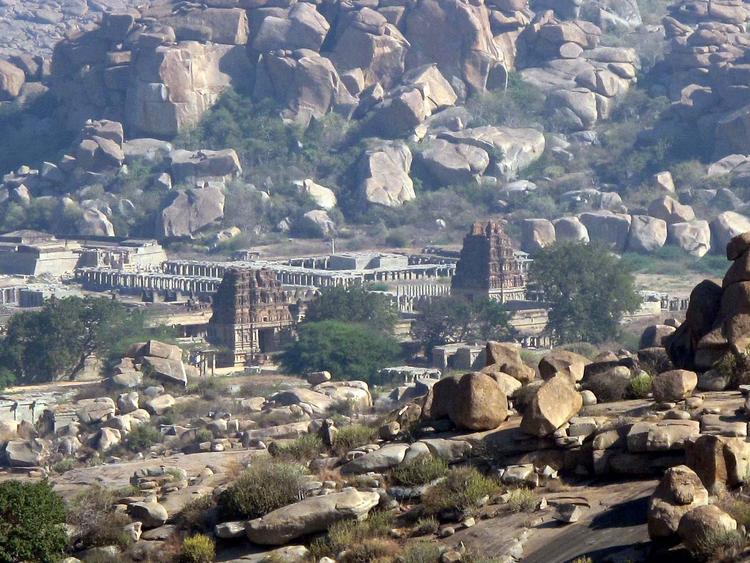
x=55, y=341
x=31, y=522
x=352, y=304
x=455, y=319
x=588, y=291
x=347, y=350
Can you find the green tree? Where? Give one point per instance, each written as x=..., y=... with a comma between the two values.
x=347, y=350
x=32, y=516
x=454, y=319
x=55, y=341
x=587, y=289
x=354, y=305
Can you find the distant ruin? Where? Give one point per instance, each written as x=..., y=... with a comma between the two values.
x=251, y=313
x=489, y=266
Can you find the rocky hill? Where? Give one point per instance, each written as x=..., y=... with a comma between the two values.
x=387, y=120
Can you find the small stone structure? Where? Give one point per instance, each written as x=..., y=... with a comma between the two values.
x=251, y=312
x=489, y=266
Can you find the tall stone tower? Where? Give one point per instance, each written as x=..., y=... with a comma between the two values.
x=489, y=266
x=250, y=311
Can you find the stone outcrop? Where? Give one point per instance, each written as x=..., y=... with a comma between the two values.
x=563, y=362
x=703, y=523
x=675, y=385
x=191, y=210
x=309, y=516
x=553, y=404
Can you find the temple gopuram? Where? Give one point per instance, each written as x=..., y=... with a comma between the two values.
x=489, y=266
x=251, y=316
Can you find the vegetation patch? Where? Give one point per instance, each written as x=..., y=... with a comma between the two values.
x=419, y=471
x=262, y=488
x=462, y=491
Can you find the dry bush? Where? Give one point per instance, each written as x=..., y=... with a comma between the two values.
x=461, y=491
x=353, y=436
x=419, y=471
x=522, y=500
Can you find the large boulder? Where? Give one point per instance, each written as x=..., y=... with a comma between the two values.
x=536, y=234
x=94, y=222
x=172, y=86
x=570, y=229
x=189, y=211
x=679, y=491
x=611, y=229
x=384, y=174
x=150, y=513
x=704, y=524
x=693, y=237
x=12, y=80
x=457, y=36
x=725, y=227
x=662, y=436
x=473, y=401
x=309, y=516
x=506, y=358
x=674, y=385
x=371, y=46
x=654, y=336
x=554, y=404
x=93, y=411
x=22, y=453
x=452, y=163
x=721, y=462
x=379, y=460
x=301, y=27
x=670, y=210
x=513, y=149
x=354, y=393
x=318, y=403
x=159, y=405
x=703, y=309
x=196, y=167
x=646, y=234
x=563, y=362
x=220, y=25
x=325, y=198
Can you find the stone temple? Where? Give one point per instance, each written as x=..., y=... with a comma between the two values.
x=251, y=316
x=489, y=266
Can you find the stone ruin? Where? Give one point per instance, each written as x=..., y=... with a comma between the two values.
x=489, y=266
x=251, y=312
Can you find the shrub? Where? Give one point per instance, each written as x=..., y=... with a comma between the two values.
x=427, y=525
x=371, y=550
x=64, y=465
x=353, y=436
x=92, y=513
x=204, y=435
x=737, y=507
x=142, y=437
x=198, y=549
x=422, y=552
x=346, y=533
x=522, y=500
x=720, y=546
x=31, y=522
x=420, y=471
x=461, y=491
x=640, y=386
x=263, y=487
x=585, y=349
x=198, y=515
x=304, y=448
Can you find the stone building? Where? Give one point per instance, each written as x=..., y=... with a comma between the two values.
x=489, y=266
x=251, y=316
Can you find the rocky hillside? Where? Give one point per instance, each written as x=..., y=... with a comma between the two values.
x=382, y=121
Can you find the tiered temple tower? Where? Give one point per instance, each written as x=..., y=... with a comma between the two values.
x=250, y=313
x=489, y=266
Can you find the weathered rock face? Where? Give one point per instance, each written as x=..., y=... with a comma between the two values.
x=473, y=401
x=679, y=491
x=457, y=36
x=190, y=211
x=674, y=385
x=727, y=226
x=693, y=237
x=384, y=175
x=554, y=403
x=654, y=336
x=300, y=27
x=670, y=210
x=12, y=79
x=198, y=167
x=570, y=229
x=309, y=516
x=452, y=163
x=150, y=514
